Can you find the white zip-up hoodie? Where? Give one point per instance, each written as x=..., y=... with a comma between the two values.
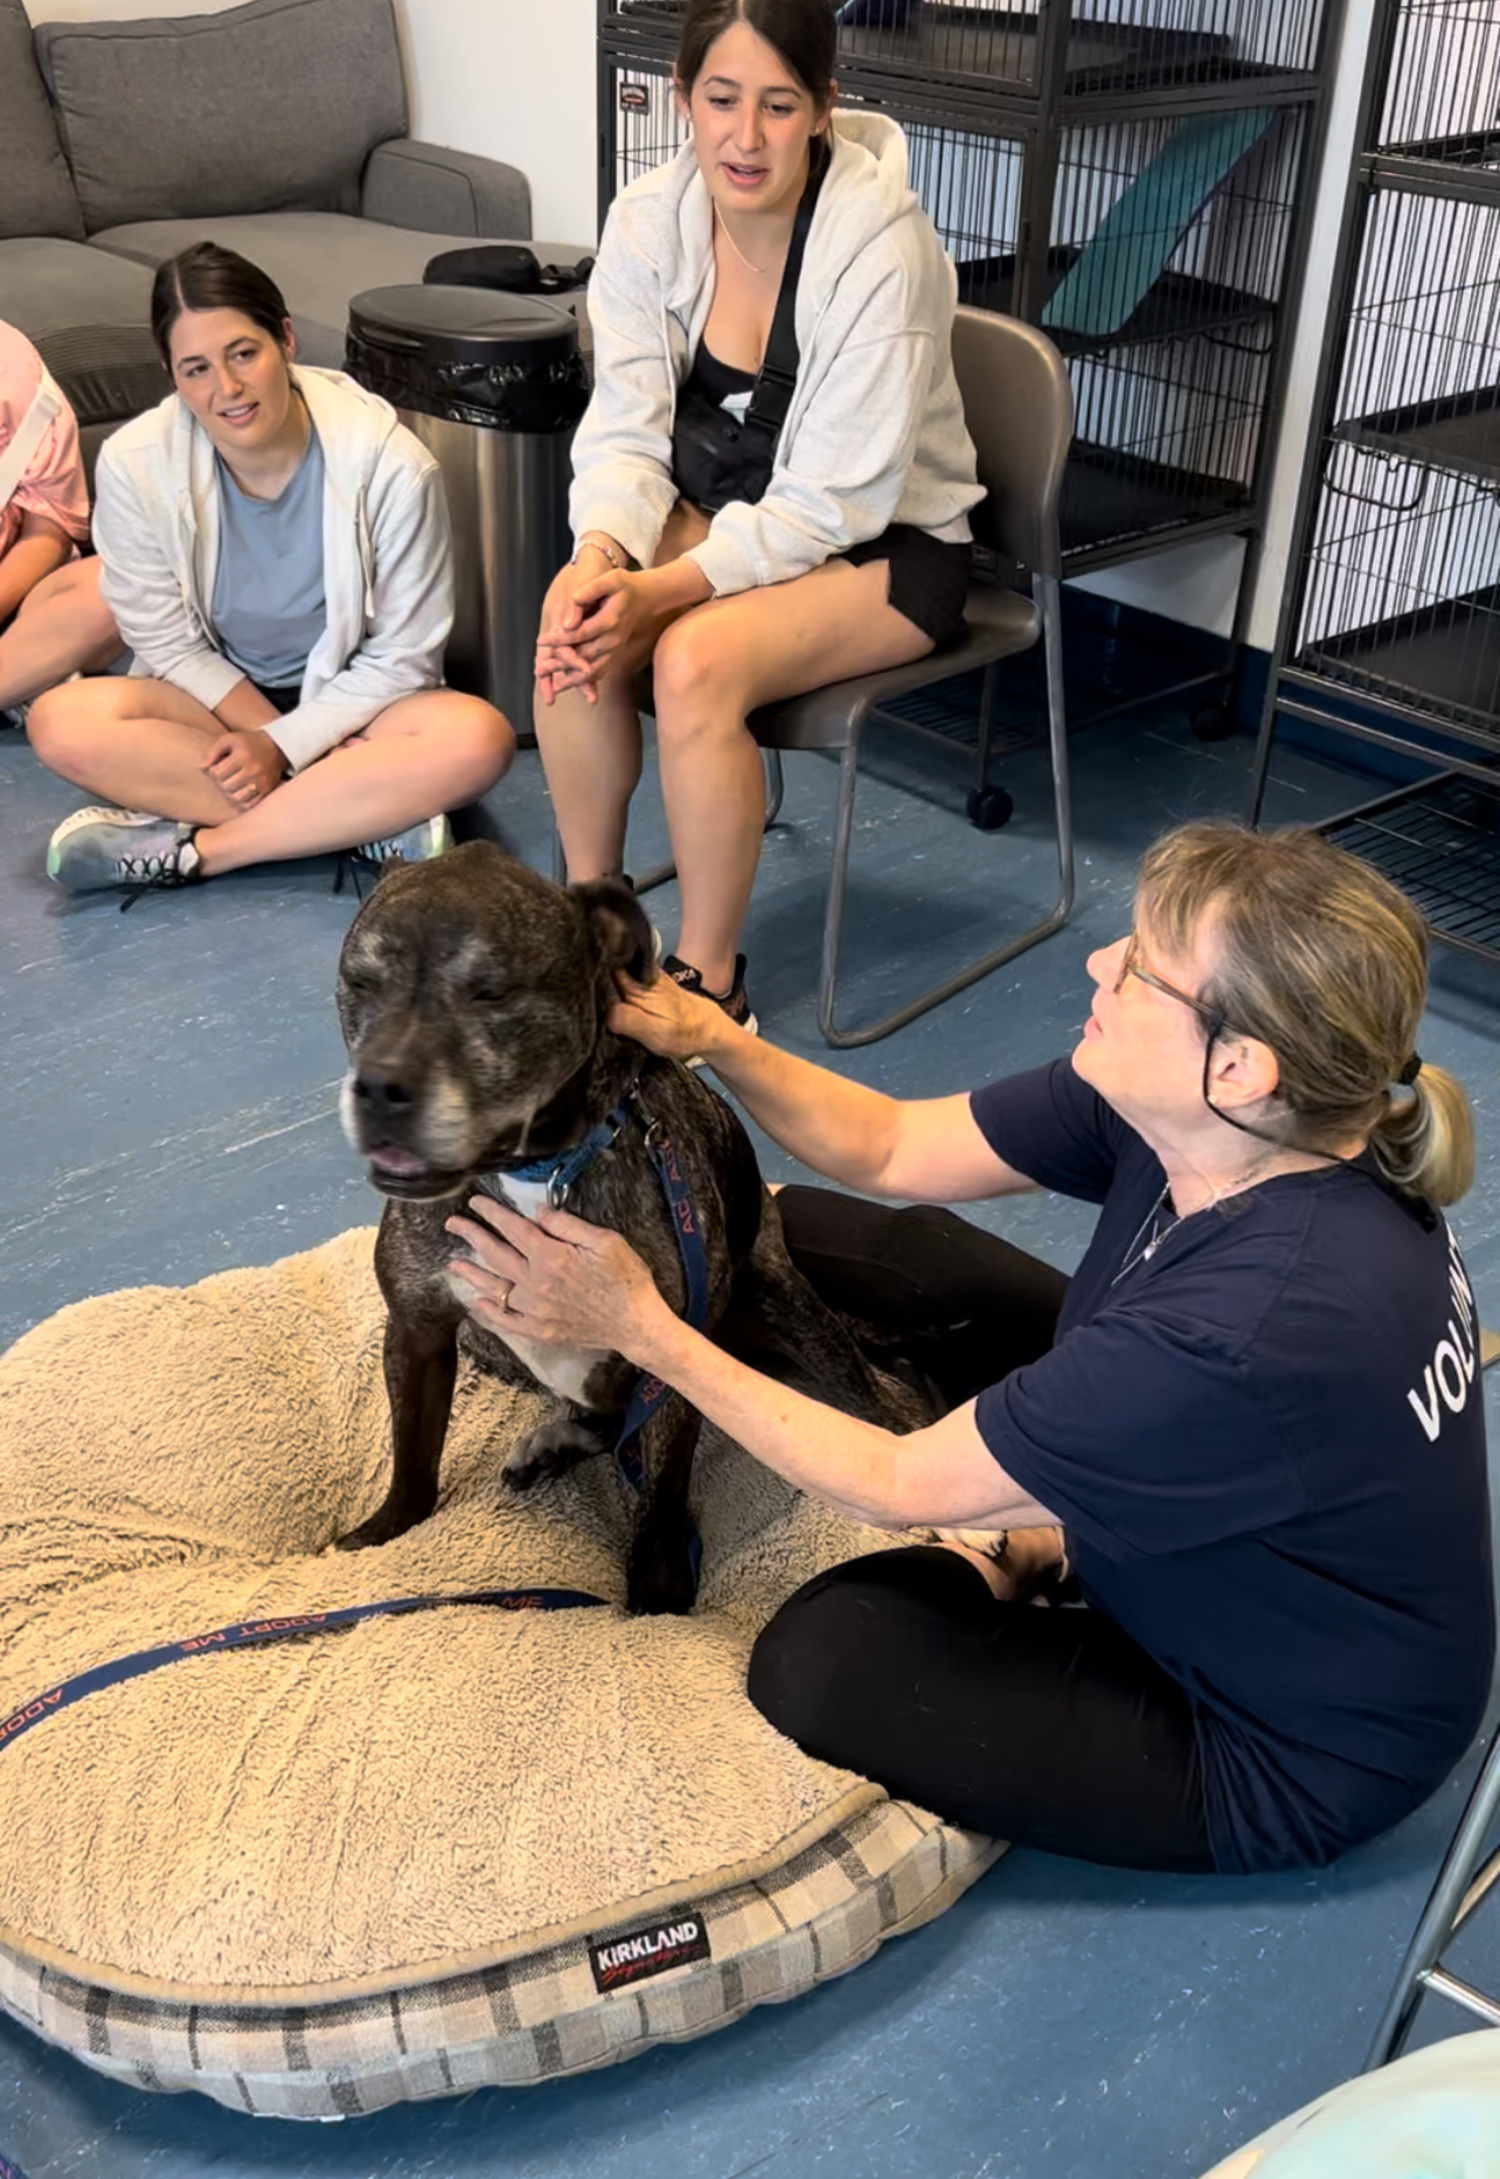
x=875, y=433
x=387, y=560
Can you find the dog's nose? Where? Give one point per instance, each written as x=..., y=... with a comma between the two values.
x=381, y=1096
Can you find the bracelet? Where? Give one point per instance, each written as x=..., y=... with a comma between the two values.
x=600, y=544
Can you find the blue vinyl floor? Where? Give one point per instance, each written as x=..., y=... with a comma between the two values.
x=170, y=1085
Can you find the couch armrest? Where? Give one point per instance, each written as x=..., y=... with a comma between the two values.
x=432, y=190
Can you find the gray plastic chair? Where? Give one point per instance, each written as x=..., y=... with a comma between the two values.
x=1463, y=1881
x=1019, y=409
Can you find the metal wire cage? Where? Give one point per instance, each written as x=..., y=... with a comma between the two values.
x=1442, y=97
x=1161, y=282
x=1104, y=48
x=1402, y=586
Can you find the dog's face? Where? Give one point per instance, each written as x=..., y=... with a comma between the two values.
x=472, y=994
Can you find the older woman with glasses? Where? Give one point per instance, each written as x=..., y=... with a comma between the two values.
x=1245, y=1441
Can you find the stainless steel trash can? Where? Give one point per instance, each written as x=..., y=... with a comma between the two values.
x=493, y=385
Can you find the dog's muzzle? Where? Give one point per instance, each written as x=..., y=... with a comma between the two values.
x=381, y=1113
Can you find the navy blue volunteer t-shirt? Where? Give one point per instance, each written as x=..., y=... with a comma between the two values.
x=1266, y=1443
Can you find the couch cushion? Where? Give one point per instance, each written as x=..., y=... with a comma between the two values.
x=36, y=189
x=89, y=314
x=319, y=260
x=272, y=106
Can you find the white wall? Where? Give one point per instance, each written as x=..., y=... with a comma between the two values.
x=515, y=79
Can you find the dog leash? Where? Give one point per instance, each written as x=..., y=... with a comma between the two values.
x=247, y=1633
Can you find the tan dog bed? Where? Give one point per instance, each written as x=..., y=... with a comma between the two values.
x=392, y=1862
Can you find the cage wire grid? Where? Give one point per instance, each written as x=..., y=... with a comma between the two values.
x=1402, y=586
x=1109, y=47
x=1440, y=843
x=1442, y=100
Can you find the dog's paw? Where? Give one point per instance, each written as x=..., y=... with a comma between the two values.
x=551, y=1449
x=663, y=1577
x=382, y=1527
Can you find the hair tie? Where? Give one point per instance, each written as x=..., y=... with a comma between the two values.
x=1410, y=1071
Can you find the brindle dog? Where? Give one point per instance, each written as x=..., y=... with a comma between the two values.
x=473, y=995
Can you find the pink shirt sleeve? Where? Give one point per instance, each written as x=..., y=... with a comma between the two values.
x=53, y=484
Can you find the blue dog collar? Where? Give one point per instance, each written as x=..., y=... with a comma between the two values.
x=561, y=1175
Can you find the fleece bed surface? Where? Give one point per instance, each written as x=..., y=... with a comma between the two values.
x=395, y=1861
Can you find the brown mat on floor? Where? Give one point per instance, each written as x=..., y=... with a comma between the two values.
x=435, y=1813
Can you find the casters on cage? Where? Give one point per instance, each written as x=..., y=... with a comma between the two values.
x=1213, y=722
x=989, y=809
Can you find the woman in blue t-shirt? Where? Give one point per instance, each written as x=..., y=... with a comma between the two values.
x=274, y=549
x=1246, y=1437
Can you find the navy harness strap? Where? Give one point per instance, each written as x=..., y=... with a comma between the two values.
x=688, y=1227
x=249, y=1632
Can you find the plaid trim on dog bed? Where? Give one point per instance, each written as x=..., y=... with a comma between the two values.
x=887, y=1869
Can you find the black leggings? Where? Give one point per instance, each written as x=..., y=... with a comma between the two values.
x=1048, y=1727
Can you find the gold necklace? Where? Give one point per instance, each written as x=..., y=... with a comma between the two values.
x=723, y=225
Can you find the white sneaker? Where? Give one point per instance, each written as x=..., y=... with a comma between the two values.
x=421, y=843
x=95, y=848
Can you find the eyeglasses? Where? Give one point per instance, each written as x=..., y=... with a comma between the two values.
x=1212, y=1019
x=1214, y=1024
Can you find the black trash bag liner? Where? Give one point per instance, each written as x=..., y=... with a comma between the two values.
x=509, y=267
x=532, y=397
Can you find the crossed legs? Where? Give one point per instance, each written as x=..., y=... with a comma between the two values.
x=142, y=744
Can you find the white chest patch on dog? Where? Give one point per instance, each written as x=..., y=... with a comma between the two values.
x=525, y=1196
x=563, y=1370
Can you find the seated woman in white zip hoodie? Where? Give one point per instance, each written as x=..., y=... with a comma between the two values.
x=853, y=554
x=275, y=551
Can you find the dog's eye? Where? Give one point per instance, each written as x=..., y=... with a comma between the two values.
x=488, y=995
x=359, y=986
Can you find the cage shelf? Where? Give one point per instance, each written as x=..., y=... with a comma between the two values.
x=1174, y=305
x=1112, y=499
x=1459, y=433
x=1440, y=842
x=1443, y=659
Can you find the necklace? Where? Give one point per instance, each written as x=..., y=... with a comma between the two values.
x=1154, y=1227
x=1149, y=1235
x=723, y=226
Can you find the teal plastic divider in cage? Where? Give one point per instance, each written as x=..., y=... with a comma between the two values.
x=1142, y=230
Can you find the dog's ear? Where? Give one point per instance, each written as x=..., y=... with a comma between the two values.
x=618, y=923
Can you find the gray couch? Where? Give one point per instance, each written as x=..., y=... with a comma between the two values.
x=277, y=128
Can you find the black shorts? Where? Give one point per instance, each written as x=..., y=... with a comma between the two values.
x=929, y=580
x=285, y=699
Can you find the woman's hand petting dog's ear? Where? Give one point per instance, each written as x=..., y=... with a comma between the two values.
x=556, y=1279
x=673, y=1023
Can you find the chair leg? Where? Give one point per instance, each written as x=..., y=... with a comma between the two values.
x=1453, y=1898
x=1049, y=607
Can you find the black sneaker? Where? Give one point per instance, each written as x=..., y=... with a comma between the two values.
x=732, y=1002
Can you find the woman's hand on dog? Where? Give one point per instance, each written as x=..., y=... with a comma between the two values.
x=673, y=1023
x=555, y=1279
